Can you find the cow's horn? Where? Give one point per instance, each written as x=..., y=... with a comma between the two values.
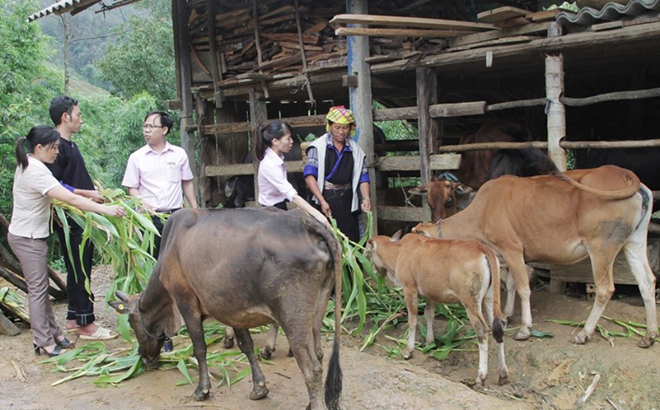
x=121, y=296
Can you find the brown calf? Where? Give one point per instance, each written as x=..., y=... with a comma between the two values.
x=445, y=272
x=562, y=219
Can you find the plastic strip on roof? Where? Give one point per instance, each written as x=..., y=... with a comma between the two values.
x=611, y=12
x=61, y=7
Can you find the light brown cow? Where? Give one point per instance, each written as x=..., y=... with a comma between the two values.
x=562, y=219
x=445, y=271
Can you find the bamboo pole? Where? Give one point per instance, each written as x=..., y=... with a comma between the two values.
x=555, y=110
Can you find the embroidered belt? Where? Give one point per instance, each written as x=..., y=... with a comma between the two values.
x=338, y=187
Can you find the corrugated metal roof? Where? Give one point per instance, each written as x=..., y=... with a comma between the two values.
x=612, y=11
x=61, y=7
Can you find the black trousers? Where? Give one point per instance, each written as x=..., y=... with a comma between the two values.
x=81, y=302
x=340, y=201
x=160, y=225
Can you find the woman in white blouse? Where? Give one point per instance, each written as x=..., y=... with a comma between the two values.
x=34, y=188
x=273, y=142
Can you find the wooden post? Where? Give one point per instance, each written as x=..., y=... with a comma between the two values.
x=215, y=64
x=207, y=151
x=360, y=98
x=258, y=115
x=427, y=94
x=180, y=14
x=555, y=110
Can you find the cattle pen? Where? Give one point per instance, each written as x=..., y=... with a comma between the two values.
x=585, y=80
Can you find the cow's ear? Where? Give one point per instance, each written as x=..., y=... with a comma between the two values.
x=396, y=236
x=418, y=190
x=463, y=189
x=120, y=306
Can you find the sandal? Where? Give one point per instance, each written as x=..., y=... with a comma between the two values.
x=57, y=350
x=100, y=334
x=64, y=343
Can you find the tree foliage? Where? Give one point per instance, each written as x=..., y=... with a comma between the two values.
x=141, y=59
x=26, y=86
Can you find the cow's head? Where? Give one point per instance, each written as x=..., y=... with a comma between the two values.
x=430, y=230
x=444, y=197
x=382, y=254
x=149, y=344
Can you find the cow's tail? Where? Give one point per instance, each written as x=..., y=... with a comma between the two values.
x=494, y=265
x=629, y=176
x=333, y=381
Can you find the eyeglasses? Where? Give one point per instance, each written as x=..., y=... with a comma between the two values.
x=151, y=127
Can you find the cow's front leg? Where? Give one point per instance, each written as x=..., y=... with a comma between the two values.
x=411, y=304
x=429, y=314
x=193, y=321
x=259, y=389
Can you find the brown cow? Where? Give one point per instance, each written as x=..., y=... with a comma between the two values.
x=562, y=219
x=445, y=272
x=245, y=268
x=446, y=197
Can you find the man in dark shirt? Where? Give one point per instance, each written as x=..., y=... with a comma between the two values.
x=69, y=168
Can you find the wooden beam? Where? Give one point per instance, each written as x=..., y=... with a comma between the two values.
x=495, y=34
x=258, y=115
x=215, y=64
x=246, y=169
x=439, y=162
x=399, y=32
x=544, y=145
x=418, y=22
x=181, y=14
x=310, y=94
x=427, y=94
x=435, y=110
x=361, y=99
x=501, y=14
x=400, y=213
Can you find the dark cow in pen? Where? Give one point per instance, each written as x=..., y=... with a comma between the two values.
x=245, y=268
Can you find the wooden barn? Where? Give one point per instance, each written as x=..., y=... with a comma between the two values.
x=581, y=81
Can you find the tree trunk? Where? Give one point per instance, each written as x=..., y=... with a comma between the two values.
x=67, y=53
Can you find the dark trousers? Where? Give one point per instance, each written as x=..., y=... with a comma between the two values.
x=340, y=201
x=160, y=225
x=81, y=302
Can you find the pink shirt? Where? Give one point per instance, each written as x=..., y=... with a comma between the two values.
x=158, y=176
x=273, y=185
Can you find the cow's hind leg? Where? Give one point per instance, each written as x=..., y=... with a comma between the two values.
x=518, y=271
x=321, y=306
x=510, y=295
x=230, y=335
x=301, y=340
x=268, y=350
x=259, y=389
x=481, y=329
x=635, y=251
x=601, y=262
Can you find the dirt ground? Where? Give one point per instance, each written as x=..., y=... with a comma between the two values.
x=544, y=373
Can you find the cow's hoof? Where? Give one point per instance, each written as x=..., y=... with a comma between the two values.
x=407, y=355
x=505, y=322
x=201, y=394
x=229, y=342
x=481, y=381
x=266, y=353
x=504, y=379
x=290, y=354
x=581, y=338
x=523, y=334
x=259, y=392
x=647, y=341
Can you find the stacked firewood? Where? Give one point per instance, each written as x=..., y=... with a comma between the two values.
x=274, y=46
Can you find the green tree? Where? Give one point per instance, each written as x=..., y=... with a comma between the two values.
x=141, y=59
x=26, y=86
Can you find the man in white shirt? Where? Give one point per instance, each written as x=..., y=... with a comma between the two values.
x=159, y=172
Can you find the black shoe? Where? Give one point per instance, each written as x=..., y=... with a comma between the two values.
x=38, y=350
x=64, y=343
